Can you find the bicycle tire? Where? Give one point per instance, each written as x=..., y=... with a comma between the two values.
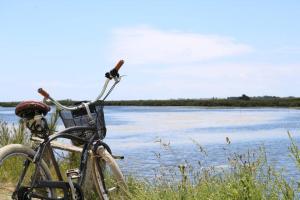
x=12, y=150
x=100, y=164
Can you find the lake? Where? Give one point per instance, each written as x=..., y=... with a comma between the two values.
x=154, y=137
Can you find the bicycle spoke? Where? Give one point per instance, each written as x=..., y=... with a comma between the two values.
x=13, y=176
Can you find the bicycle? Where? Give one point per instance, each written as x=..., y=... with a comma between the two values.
x=84, y=124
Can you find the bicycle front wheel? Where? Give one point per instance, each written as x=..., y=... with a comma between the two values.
x=12, y=162
x=109, y=180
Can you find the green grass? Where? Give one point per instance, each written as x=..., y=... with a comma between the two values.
x=249, y=176
x=13, y=134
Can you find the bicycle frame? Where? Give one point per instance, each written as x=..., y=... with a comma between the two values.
x=67, y=133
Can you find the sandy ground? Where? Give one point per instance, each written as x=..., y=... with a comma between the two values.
x=5, y=192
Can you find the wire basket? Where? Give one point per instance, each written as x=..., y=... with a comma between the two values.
x=80, y=117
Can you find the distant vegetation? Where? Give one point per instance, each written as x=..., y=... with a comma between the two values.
x=242, y=101
x=215, y=102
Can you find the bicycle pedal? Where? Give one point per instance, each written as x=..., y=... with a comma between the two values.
x=73, y=173
x=118, y=157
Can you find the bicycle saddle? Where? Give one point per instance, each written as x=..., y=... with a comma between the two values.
x=28, y=109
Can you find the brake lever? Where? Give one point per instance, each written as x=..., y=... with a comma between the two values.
x=118, y=79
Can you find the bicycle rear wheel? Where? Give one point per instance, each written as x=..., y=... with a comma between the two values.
x=12, y=159
x=109, y=180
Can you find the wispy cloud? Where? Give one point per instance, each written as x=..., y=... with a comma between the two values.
x=288, y=50
x=214, y=80
x=142, y=45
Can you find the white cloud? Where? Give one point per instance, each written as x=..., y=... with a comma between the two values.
x=144, y=45
x=288, y=50
x=211, y=79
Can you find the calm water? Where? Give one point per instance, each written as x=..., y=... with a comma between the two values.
x=136, y=132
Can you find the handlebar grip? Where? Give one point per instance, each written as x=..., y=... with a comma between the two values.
x=43, y=93
x=119, y=65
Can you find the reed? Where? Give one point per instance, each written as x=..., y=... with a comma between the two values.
x=249, y=176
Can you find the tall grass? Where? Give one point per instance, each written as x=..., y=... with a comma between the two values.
x=295, y=151
x=249, y=176
x=13, y=134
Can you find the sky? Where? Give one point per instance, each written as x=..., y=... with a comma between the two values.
x=172, y=49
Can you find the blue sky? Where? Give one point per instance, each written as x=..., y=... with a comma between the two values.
x=172, y=49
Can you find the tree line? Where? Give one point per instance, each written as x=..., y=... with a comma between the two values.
x=242, y=101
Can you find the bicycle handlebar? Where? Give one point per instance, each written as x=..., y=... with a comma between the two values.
x=119, y=65
x=116, y=78
x=43, y=93
x=114, y=72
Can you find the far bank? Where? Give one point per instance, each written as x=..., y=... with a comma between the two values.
x=242, y=101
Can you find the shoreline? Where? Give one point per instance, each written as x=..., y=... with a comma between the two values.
x=254, y=102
